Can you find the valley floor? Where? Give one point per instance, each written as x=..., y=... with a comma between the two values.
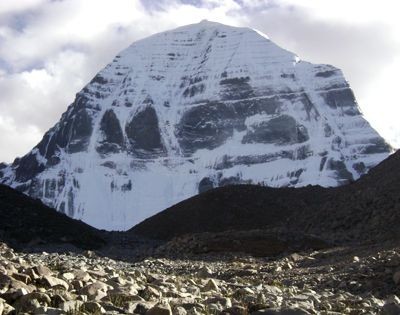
x=339, y=280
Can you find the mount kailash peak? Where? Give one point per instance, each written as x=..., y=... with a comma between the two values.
x=186, y=110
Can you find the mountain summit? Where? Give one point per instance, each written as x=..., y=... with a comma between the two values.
x=186, y=110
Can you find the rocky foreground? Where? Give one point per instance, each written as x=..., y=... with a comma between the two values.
x=341, y=280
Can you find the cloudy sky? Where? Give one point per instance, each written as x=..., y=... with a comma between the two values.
x=49, y=49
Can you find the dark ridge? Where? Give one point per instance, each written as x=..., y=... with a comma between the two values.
x=236, y=207
x=367, y=210
x=26, y=222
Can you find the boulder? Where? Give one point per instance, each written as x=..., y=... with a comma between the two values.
x=71, y=306
x=276, y=311
x=53, y=282
x=160, y=309
x=95, y=291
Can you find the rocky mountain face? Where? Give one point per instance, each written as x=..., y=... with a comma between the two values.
x=197, y=107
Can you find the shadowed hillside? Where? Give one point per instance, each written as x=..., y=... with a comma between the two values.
x=366, y=210
x=25, y=221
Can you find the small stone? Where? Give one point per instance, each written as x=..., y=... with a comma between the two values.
x=278, y=269
x=54, y=282
x=81, y=275
x=22, y=277
x=77, y=284
x=214, y=308
x=71, y=306
x=48, y=311
x=204, y=272
x=89, y=254
x=396, y=277
x=31, y=301
x=271, y=289
x=95, y=291
x=224, y=301
x=10, y=269
x=3, y=271
x=390, y=309
x=13, y=295
x=179, y=311
x=243, y=292
x=296, y=257
x=211, y=286
x=275, y=311
x=7, y=309
x=68, y=276
x=149, y=293
x=97, y=273
x=42, y=271
x=57, y=300
x=287, y=266
x=235, y=310
x=160, y=309
x=141, y=307
x=82, y=297
x=93, y=308
x=9, y=254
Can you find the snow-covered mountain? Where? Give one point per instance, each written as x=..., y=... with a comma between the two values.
x=197, y=107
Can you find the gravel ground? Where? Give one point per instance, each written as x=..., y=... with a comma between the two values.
x=339, y=280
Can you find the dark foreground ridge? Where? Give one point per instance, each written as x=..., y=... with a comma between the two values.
x=287, y=219
x=366, y=210
x=26, y=222
x=241, y=207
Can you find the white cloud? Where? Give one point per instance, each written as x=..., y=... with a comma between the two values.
x=16, y=139
x=11, y=6
x=50, y=49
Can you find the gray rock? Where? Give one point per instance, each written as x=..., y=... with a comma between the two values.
x=280, y=130
x=12, y=295
x=49, y=311
x=150, y=293
x=8, y=283
x=93, y=308
x=179, y=310
x=41, y=271
x=68, y=276
x=235, y=310
x=95, y=291
x=54, y=282
x=280, y=312
x=144, y=134
x=160, y=309
x=71, y=306
x=211, y=285
x=8, y=309
x=272, y=289
x=206, y=126
x=113, y=138
x=31, y=301
x=390, y=309
x=396, y=277
x=81, y=275
x=22, y=277
x=204, y=272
